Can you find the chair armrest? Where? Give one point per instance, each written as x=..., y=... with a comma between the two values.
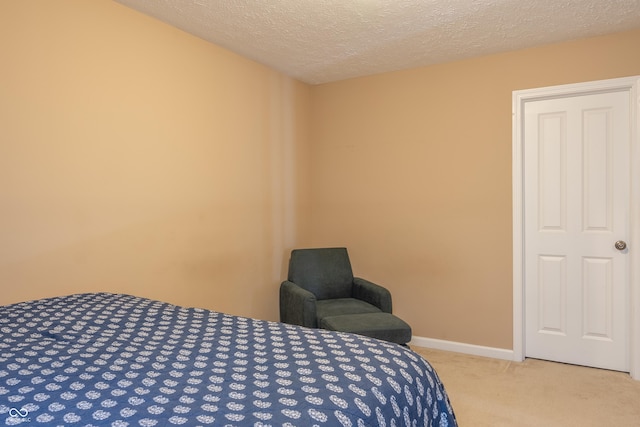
x=297, y=305
x=372, y=293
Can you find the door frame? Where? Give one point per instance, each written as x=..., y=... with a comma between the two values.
x=519, y=99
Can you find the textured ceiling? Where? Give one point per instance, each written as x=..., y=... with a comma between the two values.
x=320, y=41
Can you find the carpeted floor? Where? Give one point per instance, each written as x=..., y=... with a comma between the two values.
x=495, y=393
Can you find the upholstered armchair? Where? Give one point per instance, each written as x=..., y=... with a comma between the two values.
x=321, y=292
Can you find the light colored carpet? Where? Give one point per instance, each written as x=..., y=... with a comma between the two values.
x=488, y=392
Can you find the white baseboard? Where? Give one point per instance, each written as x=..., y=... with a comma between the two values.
x=458, y=347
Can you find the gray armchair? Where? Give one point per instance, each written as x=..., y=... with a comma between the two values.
x=321, y=292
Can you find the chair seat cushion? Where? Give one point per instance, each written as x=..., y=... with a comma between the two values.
x=340, y=306
x=383, y=326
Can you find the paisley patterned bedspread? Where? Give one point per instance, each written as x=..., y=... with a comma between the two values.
x=118, y=360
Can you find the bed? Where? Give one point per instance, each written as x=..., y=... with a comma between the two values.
x=120, y=360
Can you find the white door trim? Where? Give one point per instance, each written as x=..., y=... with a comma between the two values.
x=520, y=98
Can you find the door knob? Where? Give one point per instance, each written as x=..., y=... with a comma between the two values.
x=620, y=245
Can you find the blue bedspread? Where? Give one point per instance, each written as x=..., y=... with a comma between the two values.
x=119, y=360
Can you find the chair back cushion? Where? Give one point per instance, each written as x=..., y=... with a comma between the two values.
x=325, y=272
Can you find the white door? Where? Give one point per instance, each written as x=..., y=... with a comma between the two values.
x=576, y=207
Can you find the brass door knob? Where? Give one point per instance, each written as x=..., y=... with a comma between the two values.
x=620, y=245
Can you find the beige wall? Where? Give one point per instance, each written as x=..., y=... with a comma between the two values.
x=412, y=171
x=136, y=158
